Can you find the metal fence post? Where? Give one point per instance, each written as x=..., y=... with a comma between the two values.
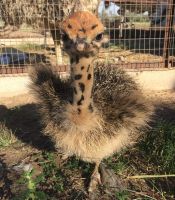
x=168, y=29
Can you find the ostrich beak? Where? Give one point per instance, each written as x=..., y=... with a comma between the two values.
x=81, y=44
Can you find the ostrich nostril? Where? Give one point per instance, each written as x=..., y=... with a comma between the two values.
x=80, y=46
x=81, y=40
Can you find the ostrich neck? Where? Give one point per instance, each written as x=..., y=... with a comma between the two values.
x=82, y=82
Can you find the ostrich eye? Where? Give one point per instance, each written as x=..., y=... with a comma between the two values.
x=99, y=37
x=65, y=37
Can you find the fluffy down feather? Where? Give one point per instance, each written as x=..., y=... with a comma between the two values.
x=119, y=98
x=120, y=112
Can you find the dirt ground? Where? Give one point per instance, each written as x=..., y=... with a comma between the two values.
x=20, y=115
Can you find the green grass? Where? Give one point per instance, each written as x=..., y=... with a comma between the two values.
x=50, y=181
x=116, y=46
x=123, y=195
x=140, y=25
x=118, y=163
x=7, y=138
x=152, y=159
x=156, y=148
x=31, y=192
x=55, y=179
x=29, y=47
x=159, y=146
x=52, y=173
x=155, y=151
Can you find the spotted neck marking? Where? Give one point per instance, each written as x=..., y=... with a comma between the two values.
x=82, y=74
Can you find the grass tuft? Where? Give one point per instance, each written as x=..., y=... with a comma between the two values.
x=118, y=163
x=123, y=195
x=7, y=138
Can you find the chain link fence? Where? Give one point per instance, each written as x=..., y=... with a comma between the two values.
x=142, y=33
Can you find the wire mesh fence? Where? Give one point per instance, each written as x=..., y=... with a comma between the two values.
x=142, y=33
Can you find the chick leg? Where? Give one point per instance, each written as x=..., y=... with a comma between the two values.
x=95, y=178
x=112, y=182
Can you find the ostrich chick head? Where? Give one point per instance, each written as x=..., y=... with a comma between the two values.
x=82, y=34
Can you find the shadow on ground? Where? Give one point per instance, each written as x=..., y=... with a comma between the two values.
x=5, y=182
x=166, y=112
x=24, y=121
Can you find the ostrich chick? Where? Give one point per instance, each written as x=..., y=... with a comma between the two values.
x=100, y=109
